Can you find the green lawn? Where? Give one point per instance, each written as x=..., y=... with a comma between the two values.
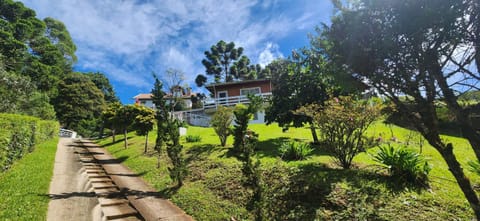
x=300, y=190
x=24, y=187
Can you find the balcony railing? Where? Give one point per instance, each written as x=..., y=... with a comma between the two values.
x=231, y=101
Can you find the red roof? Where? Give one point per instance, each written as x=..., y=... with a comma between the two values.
x=143, y=96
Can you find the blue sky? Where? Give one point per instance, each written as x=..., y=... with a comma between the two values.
x=127, y=40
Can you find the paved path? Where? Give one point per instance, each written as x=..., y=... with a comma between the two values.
x=71, y=197
x=90, y=184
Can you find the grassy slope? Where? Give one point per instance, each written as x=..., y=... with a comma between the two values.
x=24, y=188
x=304, y=189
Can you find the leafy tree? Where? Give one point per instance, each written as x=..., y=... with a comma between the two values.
x=381, y=46
x=108, y=118
x=59, y=36
x=343, y=122
x=78, y=99
x=144, y=122
x=200, y=80
x=30, y=48
x=38, y=105
x=102, y=83
x=224, y=61
x=125, y=118
x=221, y=123
x=196, y=101
x=300, y=80
x=14, y=90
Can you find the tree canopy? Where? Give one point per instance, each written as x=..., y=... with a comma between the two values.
x=426, y=60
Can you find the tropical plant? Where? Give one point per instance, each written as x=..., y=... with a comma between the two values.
x=295, y=150
x=403, y=163
x=193, y=138
x=474, y=166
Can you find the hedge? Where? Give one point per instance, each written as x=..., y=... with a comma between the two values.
x=20, y=134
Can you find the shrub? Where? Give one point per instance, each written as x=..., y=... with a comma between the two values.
x=404, y=164
x=221, y=123
x=295, y=150
x=20, y=134
x=193, y=138
x=343, y=122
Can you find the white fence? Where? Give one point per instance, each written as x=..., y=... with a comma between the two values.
x=233, y=100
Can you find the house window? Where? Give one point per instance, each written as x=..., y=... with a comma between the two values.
x=246, y=91
x=222, y=94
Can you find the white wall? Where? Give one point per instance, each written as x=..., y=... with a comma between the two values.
x=260, y=118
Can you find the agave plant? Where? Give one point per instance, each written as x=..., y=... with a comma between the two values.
x=295, y=150
x=403, y=163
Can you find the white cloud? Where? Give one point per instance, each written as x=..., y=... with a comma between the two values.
x=270, y=53
x=129, y=39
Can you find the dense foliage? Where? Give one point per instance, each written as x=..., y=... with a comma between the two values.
x=302, y=79
x=343, y=122
x=222, y=123
x=20, y=134
x=36, y=60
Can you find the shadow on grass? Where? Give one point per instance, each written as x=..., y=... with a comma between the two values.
x=271, y=147
x=315, y=187
x=200, y=151
x=116, y=141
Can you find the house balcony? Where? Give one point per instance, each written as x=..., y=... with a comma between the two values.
x=212, y=104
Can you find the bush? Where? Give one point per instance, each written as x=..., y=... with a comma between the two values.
x=221, y=123
x=19, y=134
x=343, y=122
x=193, y=138
x=295, y=150
x=404, y=164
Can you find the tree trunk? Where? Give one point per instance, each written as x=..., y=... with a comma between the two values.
x=146, y=143
x=223, y=141
x=125, y=140
x=457, y=171
x=113, y=135
x=100, y=132
x=314, y=134
x=462, y=118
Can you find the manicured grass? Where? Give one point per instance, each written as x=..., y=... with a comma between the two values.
x=24, y=187
x=314, y=188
